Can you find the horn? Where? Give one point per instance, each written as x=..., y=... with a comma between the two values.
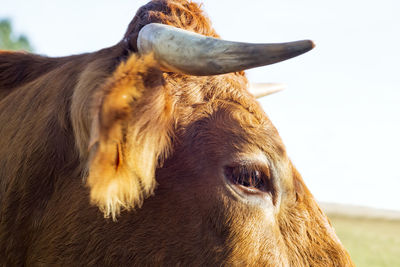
x=186, y=52
x=263, y=89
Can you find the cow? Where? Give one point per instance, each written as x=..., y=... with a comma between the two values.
x=152, y=152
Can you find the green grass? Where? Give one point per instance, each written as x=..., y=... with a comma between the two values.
x=370, y=242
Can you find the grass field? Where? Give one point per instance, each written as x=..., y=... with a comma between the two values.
x=370, y=242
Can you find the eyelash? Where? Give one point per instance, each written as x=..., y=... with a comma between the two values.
x=253, y=177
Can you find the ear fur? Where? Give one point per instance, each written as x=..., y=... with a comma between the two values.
x=129, y=135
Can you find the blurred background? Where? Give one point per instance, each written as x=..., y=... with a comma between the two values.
x=339, y=116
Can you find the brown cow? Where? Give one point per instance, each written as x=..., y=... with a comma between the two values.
x=188, y=167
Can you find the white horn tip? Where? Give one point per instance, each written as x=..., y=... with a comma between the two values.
x=263, y=89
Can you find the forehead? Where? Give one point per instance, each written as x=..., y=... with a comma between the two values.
x=230, y=128
x=218, y=117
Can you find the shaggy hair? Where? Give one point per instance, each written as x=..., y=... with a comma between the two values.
x=144, y=147
x=126, y=147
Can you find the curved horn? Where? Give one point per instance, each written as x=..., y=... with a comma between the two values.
x=182, y=51
x=263, y=89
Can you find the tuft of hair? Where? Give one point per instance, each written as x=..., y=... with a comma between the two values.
x=183, y=14
x=130, y=135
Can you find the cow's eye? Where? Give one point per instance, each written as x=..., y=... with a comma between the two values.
x=251, y=177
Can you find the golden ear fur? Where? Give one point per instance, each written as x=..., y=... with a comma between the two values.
x=129, y=135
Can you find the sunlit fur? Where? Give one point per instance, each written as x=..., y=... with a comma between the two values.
x=106, y=134
x=125, y=147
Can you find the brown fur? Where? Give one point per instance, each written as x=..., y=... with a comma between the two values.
x=147, y=148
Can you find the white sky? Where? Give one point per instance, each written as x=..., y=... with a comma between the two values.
x=339, y=117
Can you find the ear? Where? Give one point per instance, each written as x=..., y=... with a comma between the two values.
x=129, y=135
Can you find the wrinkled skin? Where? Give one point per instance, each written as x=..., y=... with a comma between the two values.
x=79, y=132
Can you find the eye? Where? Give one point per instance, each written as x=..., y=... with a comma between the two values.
x=254, y=178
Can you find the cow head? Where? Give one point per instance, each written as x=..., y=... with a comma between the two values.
x=223, y=190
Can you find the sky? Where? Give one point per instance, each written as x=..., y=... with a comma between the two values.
x=339, y=116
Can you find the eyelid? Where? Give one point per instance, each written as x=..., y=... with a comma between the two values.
x=251, y=159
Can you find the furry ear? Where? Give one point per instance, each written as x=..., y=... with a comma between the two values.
x=129, y=135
